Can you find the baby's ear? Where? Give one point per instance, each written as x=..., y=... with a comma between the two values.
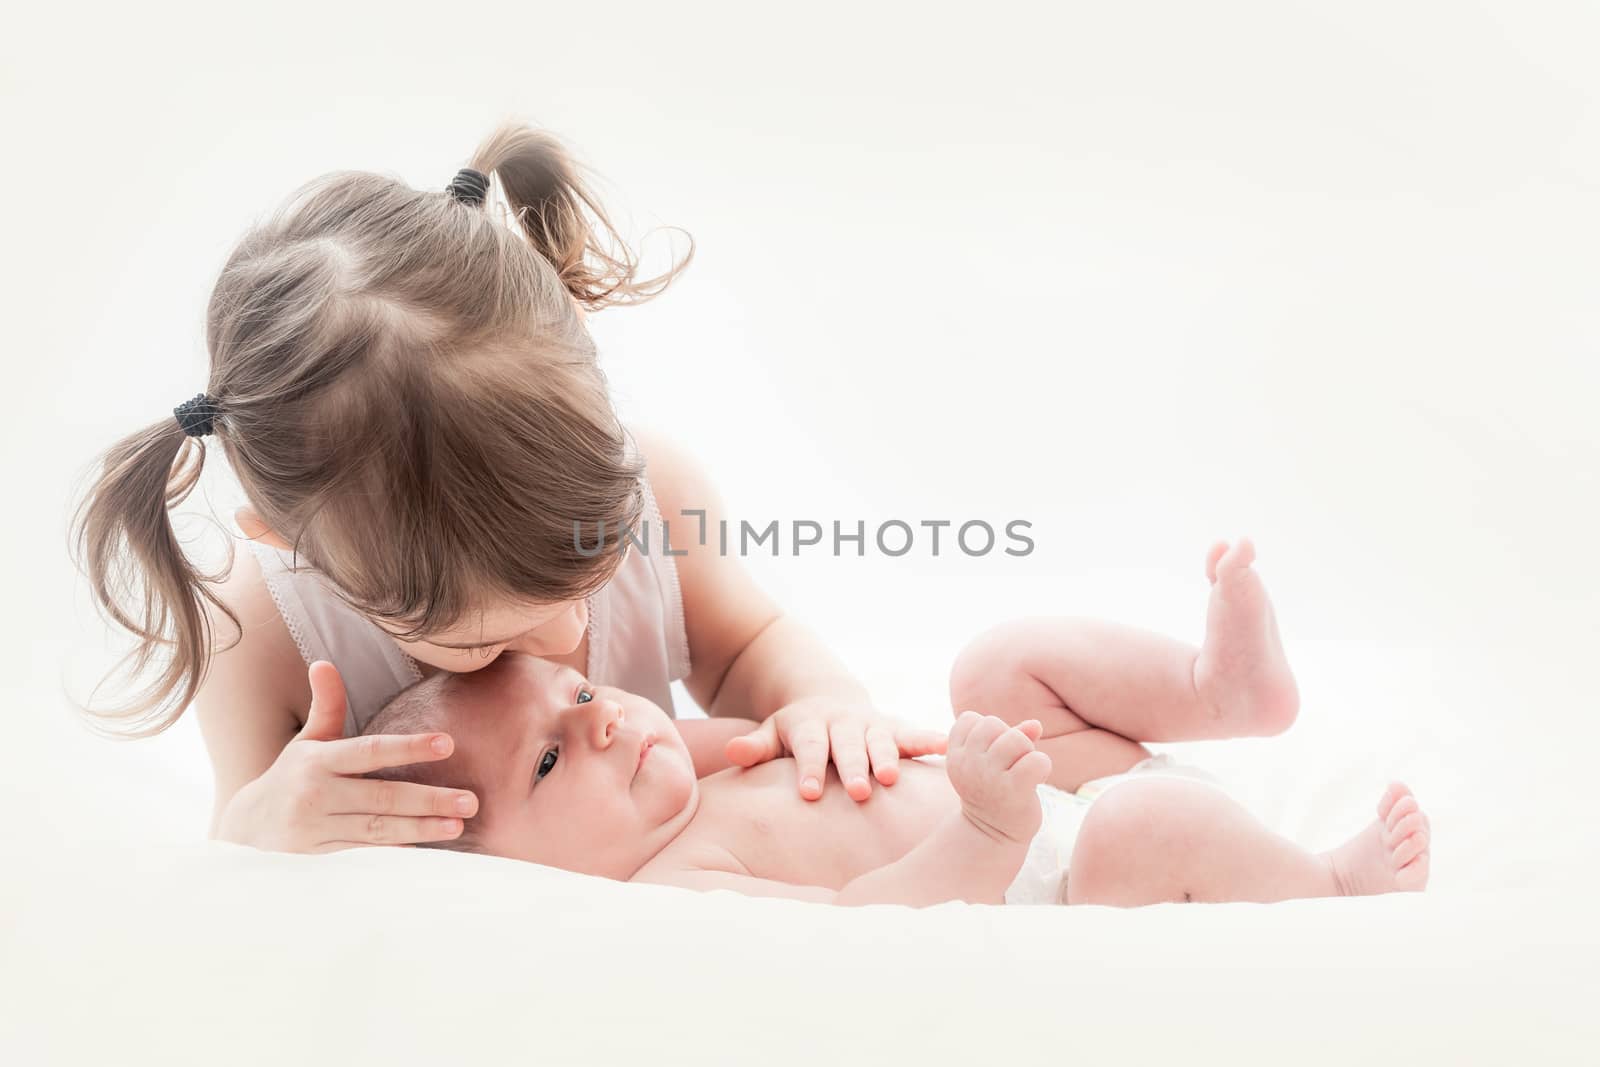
x=254, y=529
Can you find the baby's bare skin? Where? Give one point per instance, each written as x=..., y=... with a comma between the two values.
x=597, y=780
x=746, y=825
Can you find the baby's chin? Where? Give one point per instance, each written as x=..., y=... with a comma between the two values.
x=621, y=857
x=672, y=793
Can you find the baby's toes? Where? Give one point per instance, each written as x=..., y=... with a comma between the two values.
x=1414, y=823
x=1212, y=557
x=1406, y=805
x=1412, y=876
x=1410, y=848
x=1238, y=558
x=1386, y=802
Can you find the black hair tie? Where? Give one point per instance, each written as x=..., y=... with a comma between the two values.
x=196, y=416
x=469, y=186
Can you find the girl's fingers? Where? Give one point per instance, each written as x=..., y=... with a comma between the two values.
x=371, y=796
x=884, y=755
x=849, y=744
x=757, y=746
x=325, y=720
x=358, y=755
x=809, y=743
x=388, y=829
x=916, y=742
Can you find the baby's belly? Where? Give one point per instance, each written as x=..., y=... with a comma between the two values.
x=758, y=816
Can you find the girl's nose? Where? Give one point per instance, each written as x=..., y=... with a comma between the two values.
x=561, y=635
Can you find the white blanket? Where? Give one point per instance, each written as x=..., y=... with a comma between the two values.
x=220, y=954
x=127, y=939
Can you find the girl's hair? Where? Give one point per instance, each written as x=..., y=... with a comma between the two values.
x=408, y=395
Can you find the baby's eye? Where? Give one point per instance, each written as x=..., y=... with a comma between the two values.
x=547, y=763
x=585, y=695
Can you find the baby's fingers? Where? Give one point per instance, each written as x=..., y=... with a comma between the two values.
x=342, y=831
x=963, y=728
x=984, y=734
x=1032, y=769
x=358, y=755
x=1009, y=747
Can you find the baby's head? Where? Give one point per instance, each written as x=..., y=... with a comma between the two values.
x=583, y=777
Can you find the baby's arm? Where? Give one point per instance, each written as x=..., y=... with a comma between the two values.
x=958, y=861
x=972, y=856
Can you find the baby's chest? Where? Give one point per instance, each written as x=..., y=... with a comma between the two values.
x=757, y=822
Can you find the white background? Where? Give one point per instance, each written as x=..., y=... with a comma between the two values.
x=1141, y=274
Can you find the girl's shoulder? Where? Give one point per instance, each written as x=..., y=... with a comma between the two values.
x=253, y=652
x=677, y=480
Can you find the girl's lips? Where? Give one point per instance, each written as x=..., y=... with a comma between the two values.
x=646, y=743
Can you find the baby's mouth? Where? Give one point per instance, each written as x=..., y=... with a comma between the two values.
x=646, y=743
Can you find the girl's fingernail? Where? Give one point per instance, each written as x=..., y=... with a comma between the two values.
x=441, y=745
x=859, y=784
x=810, y=785
x=464, y=805
x=452, y=826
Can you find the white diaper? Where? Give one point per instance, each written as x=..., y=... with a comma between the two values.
x=1043, y=877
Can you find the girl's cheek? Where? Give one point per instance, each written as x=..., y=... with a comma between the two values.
x=558, y=638
x=455, y=660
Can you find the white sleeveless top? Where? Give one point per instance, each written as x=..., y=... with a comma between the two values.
x=637, y=639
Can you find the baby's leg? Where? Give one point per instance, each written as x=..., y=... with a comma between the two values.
x=1099, y=688
x=1155, y=840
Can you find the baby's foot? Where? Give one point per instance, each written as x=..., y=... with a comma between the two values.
x=1241, y=671
x=1389, y=856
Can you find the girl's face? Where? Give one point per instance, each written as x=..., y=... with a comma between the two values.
x=548, y=630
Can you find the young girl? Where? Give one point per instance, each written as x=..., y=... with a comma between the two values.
x=405, y=389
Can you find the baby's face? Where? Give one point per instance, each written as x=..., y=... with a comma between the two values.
x=586, y=778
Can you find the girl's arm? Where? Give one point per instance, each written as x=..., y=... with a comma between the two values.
x=247, y=703
x=707, y=741
x=286, y=778
x=749, y=659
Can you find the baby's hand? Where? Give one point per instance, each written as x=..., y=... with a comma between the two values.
x=995, y=769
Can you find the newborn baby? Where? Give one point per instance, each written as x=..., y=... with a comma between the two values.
x=597, y=780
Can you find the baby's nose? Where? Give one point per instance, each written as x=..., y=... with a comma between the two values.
x=604, y=721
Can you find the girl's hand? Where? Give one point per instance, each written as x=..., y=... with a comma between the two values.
x=817, y=729
x=312, y=799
